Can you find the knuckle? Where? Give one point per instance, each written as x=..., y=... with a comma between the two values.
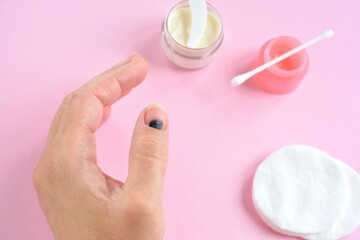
x=47, y=173
x=37, y=178
x=71, y=97
x=76, y=97
x=103, y=93
x=43, y=177
x=138, y=205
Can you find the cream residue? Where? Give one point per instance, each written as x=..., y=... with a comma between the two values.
x=179, y=25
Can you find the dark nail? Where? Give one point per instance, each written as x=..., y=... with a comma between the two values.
x=156, y=124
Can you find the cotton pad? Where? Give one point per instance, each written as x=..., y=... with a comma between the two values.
x=299, y=190
x=351, y=218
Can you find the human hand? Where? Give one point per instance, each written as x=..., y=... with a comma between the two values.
x=78, y=199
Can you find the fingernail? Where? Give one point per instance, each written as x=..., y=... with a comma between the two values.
x=129, y=59
x=134, y=56
x=155, y=117
x=158, y=124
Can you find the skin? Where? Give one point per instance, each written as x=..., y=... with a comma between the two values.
x=78, y=199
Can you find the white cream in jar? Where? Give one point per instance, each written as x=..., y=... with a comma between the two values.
x=176, y=33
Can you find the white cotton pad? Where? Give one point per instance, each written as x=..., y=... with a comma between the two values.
x=351, y=218
x=299, y=190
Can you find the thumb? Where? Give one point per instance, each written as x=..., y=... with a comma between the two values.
x=149, y=153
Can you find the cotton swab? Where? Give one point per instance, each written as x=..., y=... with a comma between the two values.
x=245, y=76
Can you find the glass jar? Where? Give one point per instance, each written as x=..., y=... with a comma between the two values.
x=285, y=76
x=185, y=57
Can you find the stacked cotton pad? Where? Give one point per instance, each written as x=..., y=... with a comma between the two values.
x=301, y=191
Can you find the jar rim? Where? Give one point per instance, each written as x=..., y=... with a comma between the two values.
x=276, y=69
x=214, y=45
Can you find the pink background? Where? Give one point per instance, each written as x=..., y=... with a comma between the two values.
x=219, y=134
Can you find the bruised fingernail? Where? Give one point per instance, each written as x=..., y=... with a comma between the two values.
x=155, y=117
x=158, y=124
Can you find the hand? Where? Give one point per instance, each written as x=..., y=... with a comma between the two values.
x=78, y=199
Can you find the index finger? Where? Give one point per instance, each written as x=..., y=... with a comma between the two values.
x=118, y=81
x=84, y=108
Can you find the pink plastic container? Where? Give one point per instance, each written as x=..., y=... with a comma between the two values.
x=285, y=76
